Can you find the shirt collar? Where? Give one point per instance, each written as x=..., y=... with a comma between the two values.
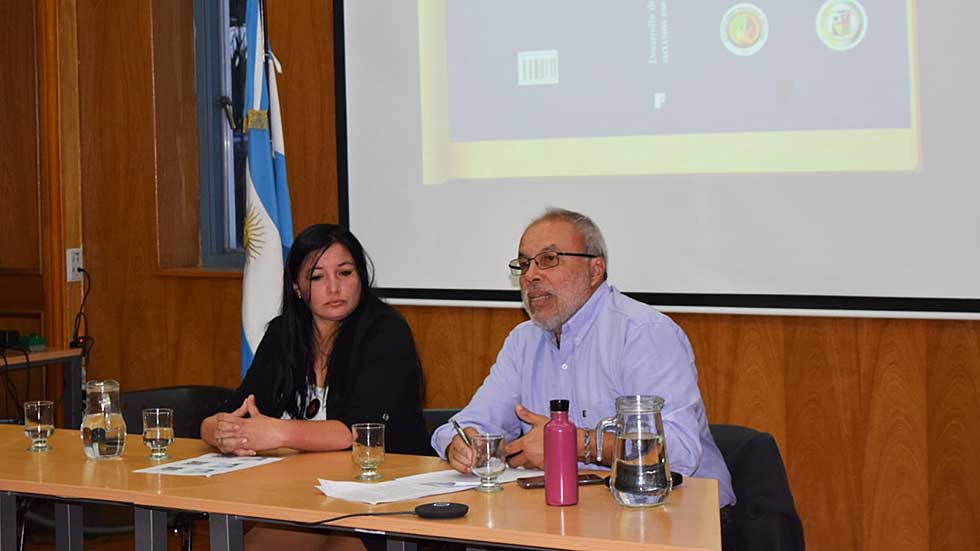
x=583, y=319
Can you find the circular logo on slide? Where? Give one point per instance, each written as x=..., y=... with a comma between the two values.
x=842, y=24
x=744, y=29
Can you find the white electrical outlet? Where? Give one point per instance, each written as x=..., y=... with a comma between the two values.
x=74, y=264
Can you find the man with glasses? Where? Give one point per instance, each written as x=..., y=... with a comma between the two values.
x=588, y=343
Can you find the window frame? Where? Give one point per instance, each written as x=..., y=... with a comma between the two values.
x=216, y=161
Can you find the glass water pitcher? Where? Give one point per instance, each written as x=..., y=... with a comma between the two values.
x=103, y=427
x=640, y=470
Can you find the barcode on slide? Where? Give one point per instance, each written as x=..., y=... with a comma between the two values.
x=537, y=67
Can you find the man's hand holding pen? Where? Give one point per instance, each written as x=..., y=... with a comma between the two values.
x=459, y=454
x=527, y=451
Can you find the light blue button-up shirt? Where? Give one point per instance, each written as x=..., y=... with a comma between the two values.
x=613, y=346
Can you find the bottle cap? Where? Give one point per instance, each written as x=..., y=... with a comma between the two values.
x=559, y=405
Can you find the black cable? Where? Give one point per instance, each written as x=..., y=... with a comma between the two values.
x=436, y=510
x=9, y=385
x=341, y=517
x=27, y=359
x=6, y=367
x=87, y=345
x=265, y=28
x=80, y=316
x=27, y=503
x=79, y=337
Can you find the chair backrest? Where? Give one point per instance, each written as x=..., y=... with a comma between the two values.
x=765, y=514
x=436, y=417
x=191, y=404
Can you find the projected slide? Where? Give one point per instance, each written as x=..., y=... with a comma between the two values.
x=516, y=89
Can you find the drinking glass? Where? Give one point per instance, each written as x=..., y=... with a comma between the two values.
x=369, y=449
x=488, y=460
x=158, y=431
x=39, y=424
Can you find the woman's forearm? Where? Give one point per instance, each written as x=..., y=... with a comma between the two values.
x=208, y=427
x=326, y=435
x=261, y=432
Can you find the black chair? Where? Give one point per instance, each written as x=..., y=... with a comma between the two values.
x=764, y=514
x=436, y=417
x=191, y=405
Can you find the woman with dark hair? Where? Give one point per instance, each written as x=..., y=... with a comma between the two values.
x=337, y=354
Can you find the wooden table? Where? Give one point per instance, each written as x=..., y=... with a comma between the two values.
x=71, y=361
x=284, y=492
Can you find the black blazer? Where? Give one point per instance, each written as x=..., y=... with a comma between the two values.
x=765, y=515
x=384, y=383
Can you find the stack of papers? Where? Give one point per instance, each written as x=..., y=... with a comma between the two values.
x=413, y=487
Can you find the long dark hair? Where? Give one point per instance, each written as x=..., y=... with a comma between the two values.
x=297, y=344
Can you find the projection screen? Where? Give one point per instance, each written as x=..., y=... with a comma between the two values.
x=782, y=156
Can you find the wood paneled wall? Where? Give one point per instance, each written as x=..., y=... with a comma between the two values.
x=18, y=143
x=301, y=36
x=871, y=415
x=153, y=327
x=22, y=296
x=20, y=263
x=877, y=419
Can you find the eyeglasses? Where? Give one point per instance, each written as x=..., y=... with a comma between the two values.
x=545, y=261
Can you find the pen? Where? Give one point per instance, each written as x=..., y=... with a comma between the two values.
x=459, y=431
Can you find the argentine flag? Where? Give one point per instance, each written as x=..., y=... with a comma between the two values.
x=268, y=220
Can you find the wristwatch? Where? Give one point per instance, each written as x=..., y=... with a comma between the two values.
x=588, y=447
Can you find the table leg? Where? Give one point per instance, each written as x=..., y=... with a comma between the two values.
x=72, y=395
x=226, y=532
x=151, y=529
x=68, y=526
x=8, y=521
x=395, y=543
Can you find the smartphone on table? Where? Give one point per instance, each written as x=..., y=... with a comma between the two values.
x=531, y=482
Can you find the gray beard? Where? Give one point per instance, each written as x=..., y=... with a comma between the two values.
x=552, y=325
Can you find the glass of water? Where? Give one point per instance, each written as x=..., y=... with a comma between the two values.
x=488, y=460
x=39, y=424
x=369, y=449
x=158, y=431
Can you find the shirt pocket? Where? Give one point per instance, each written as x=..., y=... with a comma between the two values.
x=584, y=414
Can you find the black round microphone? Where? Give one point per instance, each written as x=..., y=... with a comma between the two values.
x=442, y=509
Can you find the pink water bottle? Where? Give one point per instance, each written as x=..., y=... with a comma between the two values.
x=560, y=457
